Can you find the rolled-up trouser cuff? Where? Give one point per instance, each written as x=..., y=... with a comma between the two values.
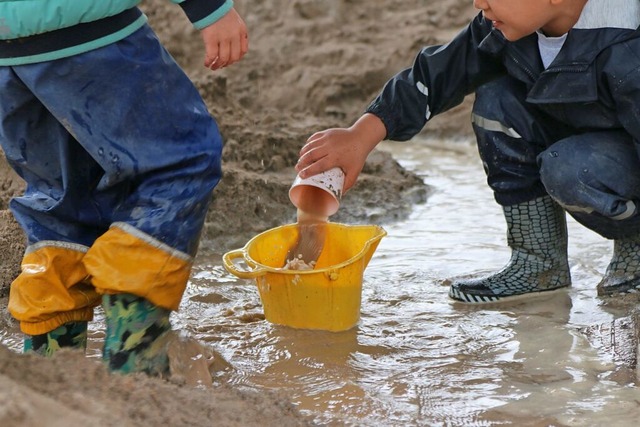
x=126, y=260
x=39, y=328
x=52, y=288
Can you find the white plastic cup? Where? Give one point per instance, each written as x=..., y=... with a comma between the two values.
x=319, y=194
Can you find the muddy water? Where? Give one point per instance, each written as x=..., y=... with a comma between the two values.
x=417, y=358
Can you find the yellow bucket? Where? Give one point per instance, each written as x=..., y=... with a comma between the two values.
x=327, y=297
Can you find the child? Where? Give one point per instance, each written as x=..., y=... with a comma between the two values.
x=557, y=123
x=120, y=156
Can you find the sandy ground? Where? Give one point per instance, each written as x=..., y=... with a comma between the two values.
x=312, y=65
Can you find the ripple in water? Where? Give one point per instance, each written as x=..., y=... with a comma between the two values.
x=415, y=357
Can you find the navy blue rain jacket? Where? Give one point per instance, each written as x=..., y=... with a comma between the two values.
x=593, y=84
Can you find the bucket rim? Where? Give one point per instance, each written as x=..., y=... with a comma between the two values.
x=381, y=232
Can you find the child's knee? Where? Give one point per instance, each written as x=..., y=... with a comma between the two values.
x=559, y=168
x=601, y=164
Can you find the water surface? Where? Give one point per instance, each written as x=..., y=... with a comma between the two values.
x=416, y=357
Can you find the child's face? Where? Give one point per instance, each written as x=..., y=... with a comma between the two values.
x=519, y=18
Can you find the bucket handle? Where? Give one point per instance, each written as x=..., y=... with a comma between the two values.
x=228, y=258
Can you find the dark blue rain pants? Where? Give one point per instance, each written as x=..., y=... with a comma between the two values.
x=120, y=156
x=526, y=154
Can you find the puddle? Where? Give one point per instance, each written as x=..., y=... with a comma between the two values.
x=417, y=358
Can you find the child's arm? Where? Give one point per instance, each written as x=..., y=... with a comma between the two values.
x=438, y=80
x=346, y=148
x=226, y=41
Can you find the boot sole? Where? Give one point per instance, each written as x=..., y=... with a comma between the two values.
x=481, y=299
x=611, y=291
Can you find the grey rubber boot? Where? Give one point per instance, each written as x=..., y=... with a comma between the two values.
x=537, y=235
x=623, y=272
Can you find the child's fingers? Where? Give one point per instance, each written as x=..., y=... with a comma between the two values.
x=235, y=50
x=309, y=158
x=228, y=52
x=211, y=58
x=224, y=54
x=311, y=155
x=349, y=181
x=216, y=64
x=313, y=168
x=316, y=136
x=244, y=44
x=313, y=142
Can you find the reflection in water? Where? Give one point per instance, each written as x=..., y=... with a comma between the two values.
x=417, y=358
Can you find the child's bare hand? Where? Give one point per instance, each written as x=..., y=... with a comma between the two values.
x=332, y=148
x=226, y=41
x=346, y=148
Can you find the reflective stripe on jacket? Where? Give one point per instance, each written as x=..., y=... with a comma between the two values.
x=593, y=83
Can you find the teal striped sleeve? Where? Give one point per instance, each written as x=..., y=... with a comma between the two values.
x=203, y=13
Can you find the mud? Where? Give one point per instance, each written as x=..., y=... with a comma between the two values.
x=311, y=65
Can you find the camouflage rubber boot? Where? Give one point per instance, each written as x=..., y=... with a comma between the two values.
x=135, y=336
x=69, y=335
x=623, y=272
x=537, y=235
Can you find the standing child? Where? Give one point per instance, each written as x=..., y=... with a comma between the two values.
x=557, y=123
x=120, y=156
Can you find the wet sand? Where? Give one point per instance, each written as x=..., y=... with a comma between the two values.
x=312, y=65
